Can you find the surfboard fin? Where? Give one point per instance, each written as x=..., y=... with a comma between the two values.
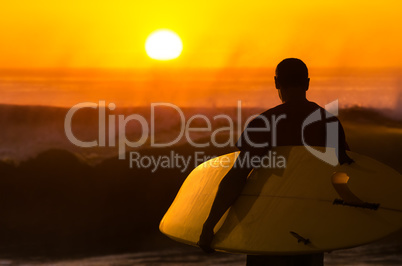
x=339, y=182
x=299, y=238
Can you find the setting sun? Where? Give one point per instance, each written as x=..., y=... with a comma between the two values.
x=163, y=45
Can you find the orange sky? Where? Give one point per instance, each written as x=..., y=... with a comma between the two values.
x=111, y=34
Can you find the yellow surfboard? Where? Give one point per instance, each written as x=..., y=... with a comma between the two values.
x=308, y=206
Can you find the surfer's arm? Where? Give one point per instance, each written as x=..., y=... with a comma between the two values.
x=343, y=147
x=228, y=191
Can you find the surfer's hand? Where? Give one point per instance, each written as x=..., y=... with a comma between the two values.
x=206, y=237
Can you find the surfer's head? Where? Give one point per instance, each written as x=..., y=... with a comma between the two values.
x=291, y=79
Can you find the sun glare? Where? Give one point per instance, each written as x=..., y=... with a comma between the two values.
x=163, y=45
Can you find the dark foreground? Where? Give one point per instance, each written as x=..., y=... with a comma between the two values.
x=56, y=209
x=384, y=252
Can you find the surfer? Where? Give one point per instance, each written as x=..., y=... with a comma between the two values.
x=292, y=82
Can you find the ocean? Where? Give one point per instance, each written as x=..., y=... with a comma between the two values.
x=62, y=204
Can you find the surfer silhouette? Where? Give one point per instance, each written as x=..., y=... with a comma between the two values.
x=282, y=125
